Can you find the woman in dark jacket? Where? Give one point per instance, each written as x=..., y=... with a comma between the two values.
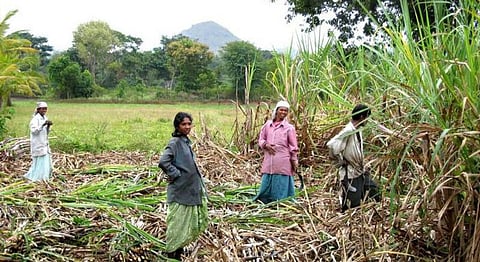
x=187, y=215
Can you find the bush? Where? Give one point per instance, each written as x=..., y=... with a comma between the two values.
x=5, y=115
x=215, y=93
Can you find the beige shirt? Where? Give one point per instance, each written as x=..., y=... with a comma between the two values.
x=39, y=136
x=347, y=147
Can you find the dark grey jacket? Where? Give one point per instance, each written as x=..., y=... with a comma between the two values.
x=178, y=162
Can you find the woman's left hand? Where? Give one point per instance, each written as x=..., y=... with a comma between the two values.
x=294, y=165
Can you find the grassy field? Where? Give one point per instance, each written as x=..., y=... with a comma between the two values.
x=133, y=127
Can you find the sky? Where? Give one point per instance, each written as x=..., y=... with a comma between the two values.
x=259, y=22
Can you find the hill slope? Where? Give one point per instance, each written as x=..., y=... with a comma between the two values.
x=211, y=34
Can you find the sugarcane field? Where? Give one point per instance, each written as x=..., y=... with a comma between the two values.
x=340, y=148
x=111, y=206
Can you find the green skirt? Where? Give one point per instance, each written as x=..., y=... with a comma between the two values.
x=185, y=224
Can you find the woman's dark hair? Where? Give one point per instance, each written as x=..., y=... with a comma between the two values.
x=360, y=111
x=177, y=120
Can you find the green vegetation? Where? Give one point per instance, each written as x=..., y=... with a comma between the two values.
x=421, y=83
x=105, y=64
x=95, y=127
x=425, y=91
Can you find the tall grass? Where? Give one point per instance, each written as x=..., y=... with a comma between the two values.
x=428, y=93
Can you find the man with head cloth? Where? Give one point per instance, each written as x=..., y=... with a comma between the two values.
x=41, y=168
x=347, y=149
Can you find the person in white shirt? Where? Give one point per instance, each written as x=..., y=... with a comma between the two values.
x=41, y=167
x=347, y=149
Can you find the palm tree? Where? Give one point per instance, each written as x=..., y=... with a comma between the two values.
x=18, y=61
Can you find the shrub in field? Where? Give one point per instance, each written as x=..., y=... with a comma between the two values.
x=5, y=115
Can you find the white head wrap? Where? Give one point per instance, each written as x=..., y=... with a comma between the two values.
x=282, y=103
x=41, y=104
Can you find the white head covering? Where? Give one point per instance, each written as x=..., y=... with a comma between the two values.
x=41, y=104
x=281, y=103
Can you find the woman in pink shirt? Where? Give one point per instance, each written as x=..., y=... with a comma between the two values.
x=278, y=139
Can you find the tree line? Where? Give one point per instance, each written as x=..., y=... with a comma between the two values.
x=102, y=59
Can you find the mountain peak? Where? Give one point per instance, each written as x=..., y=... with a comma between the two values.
x=211, y=34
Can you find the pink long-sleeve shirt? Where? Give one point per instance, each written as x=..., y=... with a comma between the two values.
x=284, y=139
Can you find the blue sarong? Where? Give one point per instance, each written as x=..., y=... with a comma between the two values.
x=275, y=187
x=41, y=168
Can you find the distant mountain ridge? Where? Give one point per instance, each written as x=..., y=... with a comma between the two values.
x=211, y=34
